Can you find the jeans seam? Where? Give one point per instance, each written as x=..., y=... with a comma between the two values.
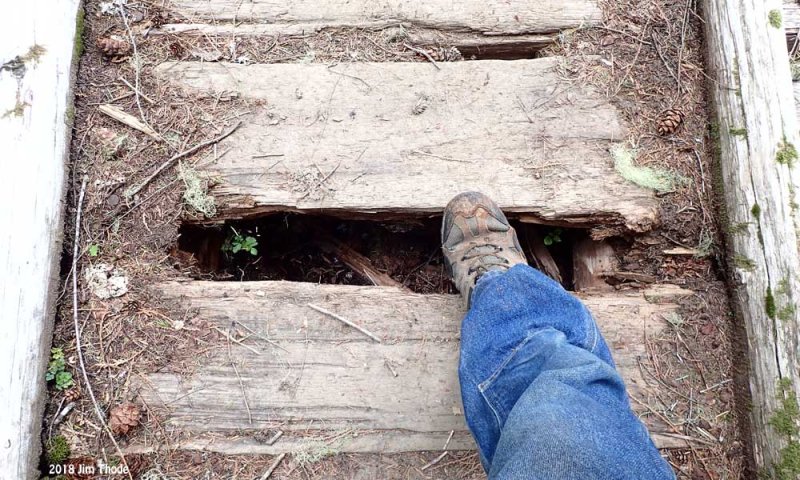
x=483, y=385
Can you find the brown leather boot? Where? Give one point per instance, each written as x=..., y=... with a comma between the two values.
x=477, y=238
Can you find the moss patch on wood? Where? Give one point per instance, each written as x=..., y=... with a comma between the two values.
x=739, y=132
x=784, y=421
x=787, y=153
x=78, y=47
x=769, y=304
x=744, y=263
x=776, y=18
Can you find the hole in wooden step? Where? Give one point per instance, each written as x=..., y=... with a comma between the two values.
x=306, y=248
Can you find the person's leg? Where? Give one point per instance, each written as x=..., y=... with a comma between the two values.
x=541, y=395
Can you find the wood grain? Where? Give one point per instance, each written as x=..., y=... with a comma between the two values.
x=403, y=138
x=486, y=21
x=35, y=95
x=751, y=91
x=322, y=375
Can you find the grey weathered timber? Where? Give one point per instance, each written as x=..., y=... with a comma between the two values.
x=752, y=93
x=36, y=73
x=791, y=21
x=470, y=25
x=323, y=376
x=404, y=138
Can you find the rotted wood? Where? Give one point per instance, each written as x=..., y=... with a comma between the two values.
x=318, y=377
x=401, y=139
x=752, y=93
x=475, y=27
x=592, y=261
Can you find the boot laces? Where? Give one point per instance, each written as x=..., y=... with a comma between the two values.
x=484, y=258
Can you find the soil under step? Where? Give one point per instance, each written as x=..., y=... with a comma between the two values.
x=401, y=139
x=311, y=376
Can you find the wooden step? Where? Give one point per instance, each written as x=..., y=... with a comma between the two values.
x=390, y=139
x=311, y=376
x=791, y=21
x=472, y=25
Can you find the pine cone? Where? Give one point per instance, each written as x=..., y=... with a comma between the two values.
x=124, y=417
x=113, y=48
x=71, y=395
x=669, y=121
x=442, y=54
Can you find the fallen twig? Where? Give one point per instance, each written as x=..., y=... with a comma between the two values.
x=136, y=90
x=345, y=321
x=434, y=461
x=449, y=437
x=423, y=53
x=117, y=114
x=78, y=347
x=275, y=438
x=138, y=188
x=230, y=337
x=241, y=383
x=272, y=467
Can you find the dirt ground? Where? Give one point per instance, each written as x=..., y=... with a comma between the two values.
x=651, y=61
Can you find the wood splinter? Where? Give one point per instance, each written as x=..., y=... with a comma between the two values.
x=345, y=321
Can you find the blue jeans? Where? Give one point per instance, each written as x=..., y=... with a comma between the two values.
x=541, y=394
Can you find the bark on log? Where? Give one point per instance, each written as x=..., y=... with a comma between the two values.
x=36, y=50
x=758, y=133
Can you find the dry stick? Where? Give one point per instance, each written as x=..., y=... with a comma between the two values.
x=230, y=337
x=449, y=437
x=136, y=62
x=345, y=321
x=133, y=191
x=272, y=467
x=423, y=53
x=75, y=256
x=241, y=384
x=136, y=90
x=275, y=438
x=434, y=461
x=664, y=60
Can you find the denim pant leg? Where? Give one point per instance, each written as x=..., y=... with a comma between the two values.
x=540, y=391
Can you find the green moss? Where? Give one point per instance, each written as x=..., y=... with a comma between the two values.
x=739, y=132
x=755, y=210
x=57, y=450
x=34, y=54
x=738, y=228
x=743, y=262
x=769, y=304
x=775, y=18
x=789, y=466
x=784, y=421
x=17, y=111
x=787, y=153
x=78, y=47
x=787, y=312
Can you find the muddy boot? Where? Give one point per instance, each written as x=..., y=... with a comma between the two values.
x=477, y=238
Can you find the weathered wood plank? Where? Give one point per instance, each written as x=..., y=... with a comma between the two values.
x=36, y=48
x=791, y=21
x=471, y=25
x=751, y=90
x=322, y=375
x=404, y=138
x=592, y=260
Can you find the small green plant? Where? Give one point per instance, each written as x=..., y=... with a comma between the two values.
x=237, y=242
x=553, y=237
x=775, y=18
x=56, y=370
x=787, y=153
x=57, y=450
x=94, y=250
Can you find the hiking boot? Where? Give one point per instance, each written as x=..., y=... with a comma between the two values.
x=477, y=238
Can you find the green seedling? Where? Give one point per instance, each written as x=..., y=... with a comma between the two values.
x=94, y=250
x=56, y=370
x=237, y=242
x=553, y=237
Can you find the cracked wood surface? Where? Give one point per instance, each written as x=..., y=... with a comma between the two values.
x=751, y=91
x=322, y=376
x=471, y=25
x=403, y=138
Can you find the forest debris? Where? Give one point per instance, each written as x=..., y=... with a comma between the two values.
x=114, y=48
x=124, y=417
x=117, y=114
x=358, y=262
x=106, y=281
